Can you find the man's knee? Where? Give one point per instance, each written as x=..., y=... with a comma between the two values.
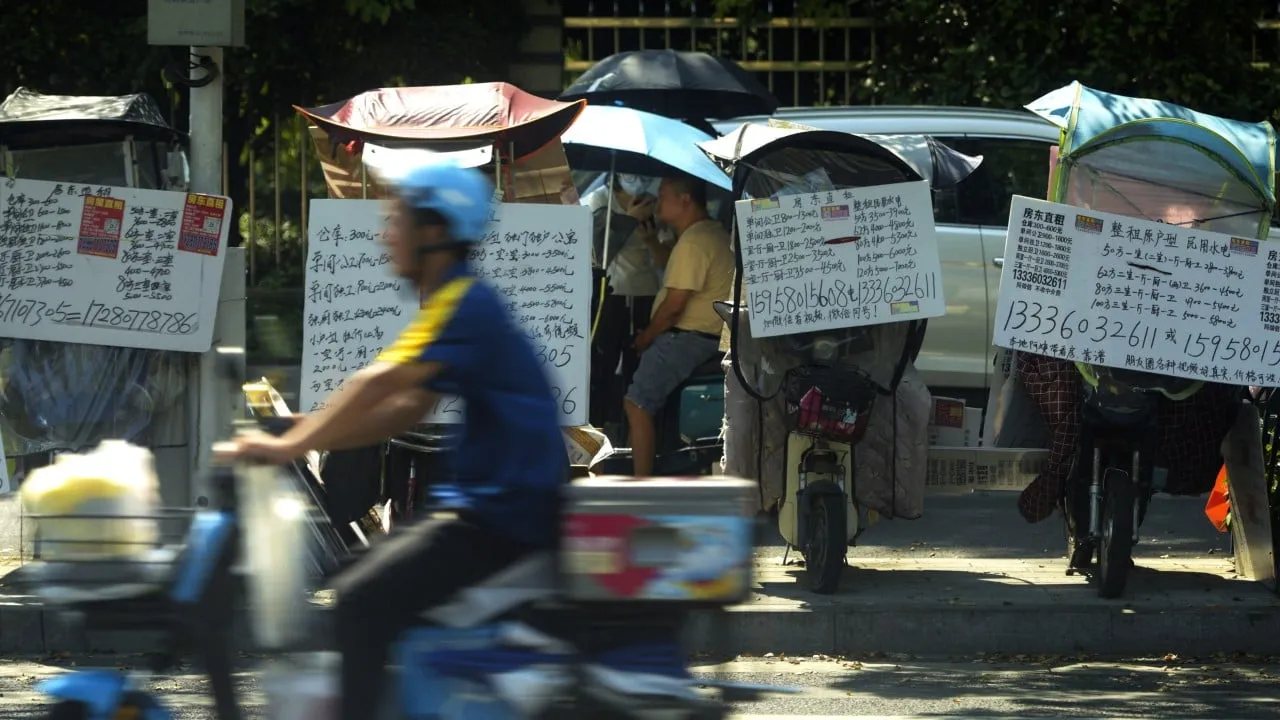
x=633, y=409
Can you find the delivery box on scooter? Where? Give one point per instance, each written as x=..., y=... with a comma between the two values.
x=668, y=540
x=95, y=505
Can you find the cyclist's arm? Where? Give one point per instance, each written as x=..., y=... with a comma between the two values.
x=391, y=417
x=443, y=335
x=346, y=421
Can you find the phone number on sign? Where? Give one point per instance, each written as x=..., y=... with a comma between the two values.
x=1035, y=278
x=1033, y=318
x=839, y=294
x=29, y=312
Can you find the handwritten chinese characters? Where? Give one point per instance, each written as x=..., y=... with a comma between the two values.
x=106, y=265
x=354, y=305
x=1139, y=295
x=842, y=258
x=536, y=256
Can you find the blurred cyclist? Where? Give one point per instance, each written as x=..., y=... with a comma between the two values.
x=510, y=463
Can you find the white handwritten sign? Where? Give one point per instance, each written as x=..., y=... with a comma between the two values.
x=1119, y=292
x=537, y=256
x=109, y=265
x=840, y=258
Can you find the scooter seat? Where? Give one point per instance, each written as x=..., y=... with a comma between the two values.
x=530, y=579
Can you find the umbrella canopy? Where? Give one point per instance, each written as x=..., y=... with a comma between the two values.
x=1089, y=117
x=773, y=157
x=675, y=84
x=619, y=139
x=31, y=119
x=447, y=118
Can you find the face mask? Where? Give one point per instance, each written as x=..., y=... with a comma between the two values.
x=637, y=185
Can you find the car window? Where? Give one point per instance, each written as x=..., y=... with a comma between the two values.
x=1009, y=167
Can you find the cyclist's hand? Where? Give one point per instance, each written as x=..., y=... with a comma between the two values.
x=260, y=447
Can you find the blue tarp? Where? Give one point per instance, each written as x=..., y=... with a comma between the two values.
x=1090, y=118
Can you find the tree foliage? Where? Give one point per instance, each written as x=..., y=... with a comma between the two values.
x=1004, y=53
x=1007, y=52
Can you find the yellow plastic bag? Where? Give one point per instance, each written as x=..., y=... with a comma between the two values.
x=113, y=488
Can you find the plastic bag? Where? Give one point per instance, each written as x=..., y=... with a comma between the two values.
x=1218, y=507
x=115, y=490
x=66, y=396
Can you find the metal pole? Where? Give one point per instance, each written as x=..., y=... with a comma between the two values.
x=608, y=215
x=206, y=177
x=275, y=152
x=253, y=216
x=304, y=137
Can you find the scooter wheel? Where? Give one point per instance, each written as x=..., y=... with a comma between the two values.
x=827, y=543
x=1115, y=555
x=68, y=710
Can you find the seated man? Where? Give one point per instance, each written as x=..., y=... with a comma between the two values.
x=684, y=331
x=510, y=463
x=635, y=276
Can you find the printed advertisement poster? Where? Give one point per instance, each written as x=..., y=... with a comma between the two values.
x=202, y=219
x=100, y=227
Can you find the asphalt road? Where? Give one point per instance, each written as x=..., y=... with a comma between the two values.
x=850, y=688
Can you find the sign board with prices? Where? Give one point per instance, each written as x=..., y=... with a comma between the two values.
x=107, y=266
x=1115, y=291
x=840, y=259
x=537, y=256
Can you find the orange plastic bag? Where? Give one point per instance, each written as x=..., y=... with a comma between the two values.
x=1219, y=504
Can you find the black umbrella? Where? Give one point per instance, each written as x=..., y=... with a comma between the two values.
x=761, y=156
x=675, y=84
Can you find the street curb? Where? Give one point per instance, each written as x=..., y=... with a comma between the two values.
x=978, y=631
x=917, y=606
x=1114, y=630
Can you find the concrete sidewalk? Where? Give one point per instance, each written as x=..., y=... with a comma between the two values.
x=969, y=578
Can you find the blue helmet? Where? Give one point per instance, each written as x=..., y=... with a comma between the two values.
x=461, y=195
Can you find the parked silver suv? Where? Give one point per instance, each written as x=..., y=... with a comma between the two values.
x=958, y=358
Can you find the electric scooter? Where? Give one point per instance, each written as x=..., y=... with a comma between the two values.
x=536, y=640
x=1114, y=476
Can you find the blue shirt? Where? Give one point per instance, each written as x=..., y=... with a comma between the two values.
x=510, y=463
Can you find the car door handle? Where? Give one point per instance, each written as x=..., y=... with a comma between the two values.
x=998, y=262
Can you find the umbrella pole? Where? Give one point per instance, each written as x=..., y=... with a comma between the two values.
x=497, y=172
x=608, y=216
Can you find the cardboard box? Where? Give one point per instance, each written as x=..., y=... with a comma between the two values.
x=972, y=427
x=959, y=469
x=946, y=422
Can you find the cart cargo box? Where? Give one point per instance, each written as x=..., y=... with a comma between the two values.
x=660, y=540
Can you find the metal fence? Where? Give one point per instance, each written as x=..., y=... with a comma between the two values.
x=803, y=61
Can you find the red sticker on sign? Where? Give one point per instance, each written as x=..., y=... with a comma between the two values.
x=202, y=224
x=100, y=227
